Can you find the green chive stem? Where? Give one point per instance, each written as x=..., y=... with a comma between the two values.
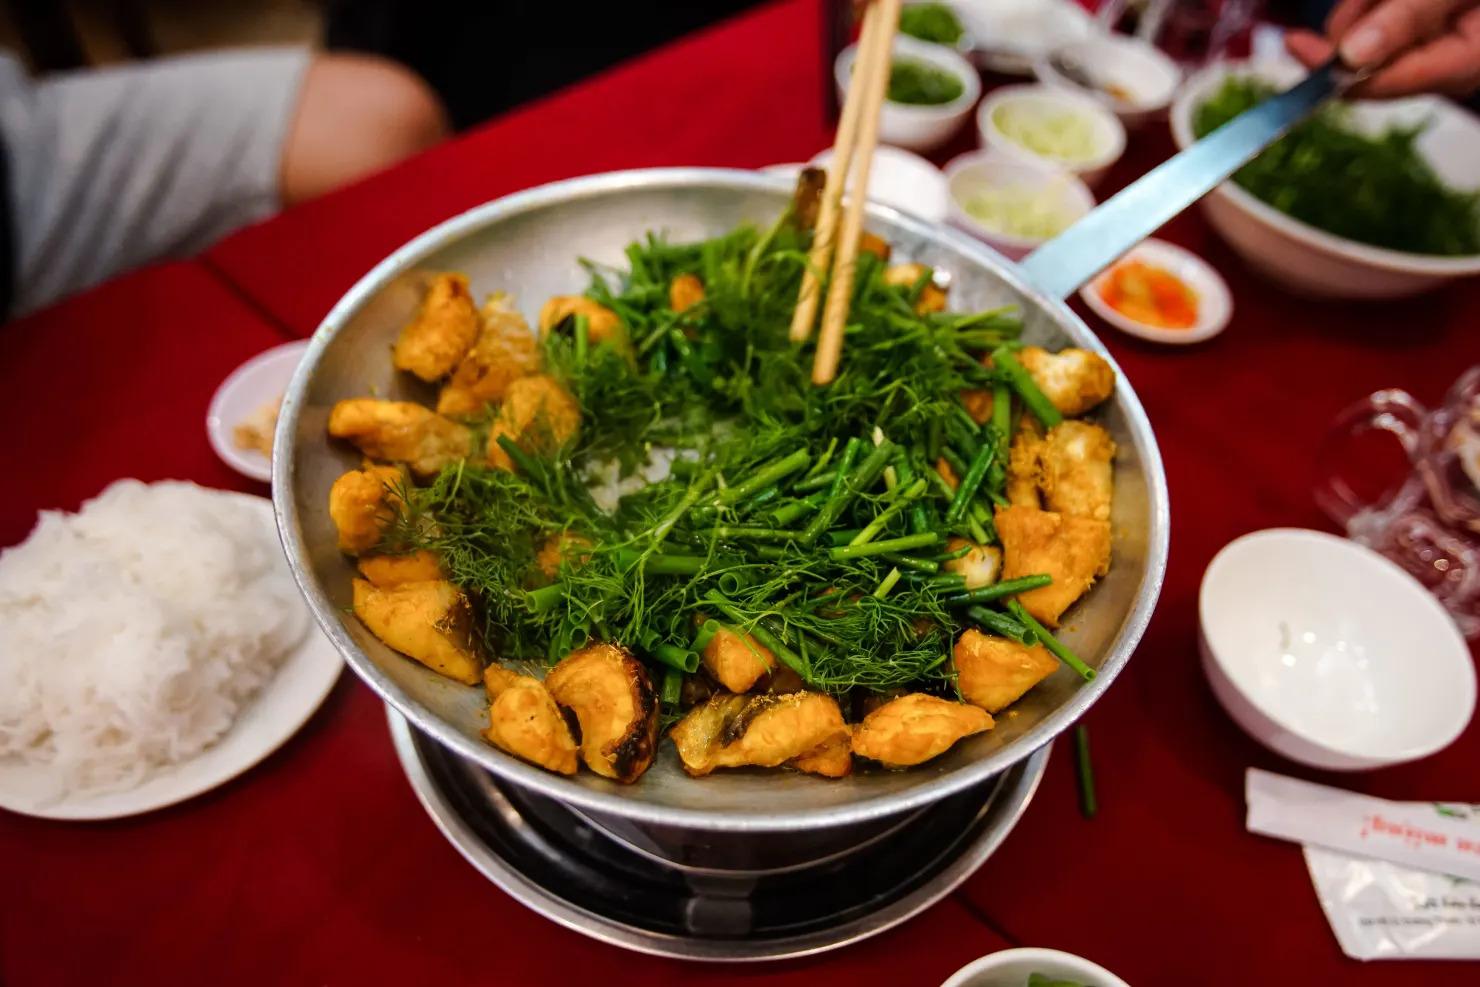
x=1027, y=389
x=996, y=591
x=1050, y=642
x=901, y=544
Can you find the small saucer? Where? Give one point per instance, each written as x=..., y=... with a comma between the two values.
x=241, y=398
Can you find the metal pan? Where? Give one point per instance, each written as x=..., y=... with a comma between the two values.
x=529, y=244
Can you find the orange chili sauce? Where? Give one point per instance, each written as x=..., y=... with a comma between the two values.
x=1151, y=295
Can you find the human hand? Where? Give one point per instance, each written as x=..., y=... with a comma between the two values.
x=1425, y=45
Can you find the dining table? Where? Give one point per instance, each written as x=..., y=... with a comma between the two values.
x=319, y=866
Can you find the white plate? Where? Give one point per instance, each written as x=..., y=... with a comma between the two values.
x=280, y=709
x=258, y=382
x=1214, y=300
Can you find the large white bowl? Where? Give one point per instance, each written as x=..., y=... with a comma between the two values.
x=984, y=169
x=1330, y=654
x=919, y=128
x=1108, y=132
x=1311, y=261
x=1013, y=967
x=1147, y=75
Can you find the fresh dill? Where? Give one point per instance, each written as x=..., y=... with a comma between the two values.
x=765, y=475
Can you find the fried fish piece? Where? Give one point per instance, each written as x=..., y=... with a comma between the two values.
x=524, y=720
x=980, y=566
x=602, y=324
x=684, y=292
x=943, y=467
x=806, y=198
x=504, y=351
x=915, y=728
x=869, y=243
x=402, y=432
x=834, y=759
x=613, y=700
x=932, y=297
x=1075, y=380
x=441, y=332
x=564, y=547
x=978, y=405
x=428, y=621
x=361, y=503
x=763, y=730
x=537, y=414
x=1075, y=551
x=737, y=661
x=386, y=571
x=1074, y=470
x=994, y=672
x=1023, y=466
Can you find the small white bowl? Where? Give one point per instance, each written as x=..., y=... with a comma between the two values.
x=1330, y=654
x=904, y=180
x=242, y=395
x=1214, y=300
x=1147, y=75
x=982, y=169
x=1107, y=130
x=1311, y=261
x=1009, y=34
x=919, y=128
x=1013, y=967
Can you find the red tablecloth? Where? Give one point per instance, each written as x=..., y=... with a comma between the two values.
x=318, y=866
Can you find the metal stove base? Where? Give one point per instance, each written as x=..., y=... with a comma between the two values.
x=574, y=872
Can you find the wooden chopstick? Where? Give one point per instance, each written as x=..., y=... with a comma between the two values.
x=840, y=288
x=819, y=258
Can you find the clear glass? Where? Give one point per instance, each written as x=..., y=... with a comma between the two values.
x=1192, y=32
x=1429, y=522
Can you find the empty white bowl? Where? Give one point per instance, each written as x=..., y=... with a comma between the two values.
x=977, y=170
x=918, y=127
x=1214, y=300
x=1312, y=261
x=1007, y=35
x=1013, y=967
x=903, y=180
x=1107, y=133
x=1330, y=654
x=1148, y=77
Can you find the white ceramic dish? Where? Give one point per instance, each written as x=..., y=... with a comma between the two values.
x=1214, y=300
x=897, y=178
x=1147, y=75
x=1329, y=654
x=980, y=169
x=1311, y=261
x=918, y=128
x=904, y=180
x=1012, y=967
x=279, y=710
x=1009, y=34
x=246, y=390
x=1106, y=129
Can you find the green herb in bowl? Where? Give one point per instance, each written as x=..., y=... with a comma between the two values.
x=1042, y=980
x=919, y=83
x=933, y=22
x=1373, y=188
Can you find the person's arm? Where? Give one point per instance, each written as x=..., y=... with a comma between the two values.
x=1422, y=45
